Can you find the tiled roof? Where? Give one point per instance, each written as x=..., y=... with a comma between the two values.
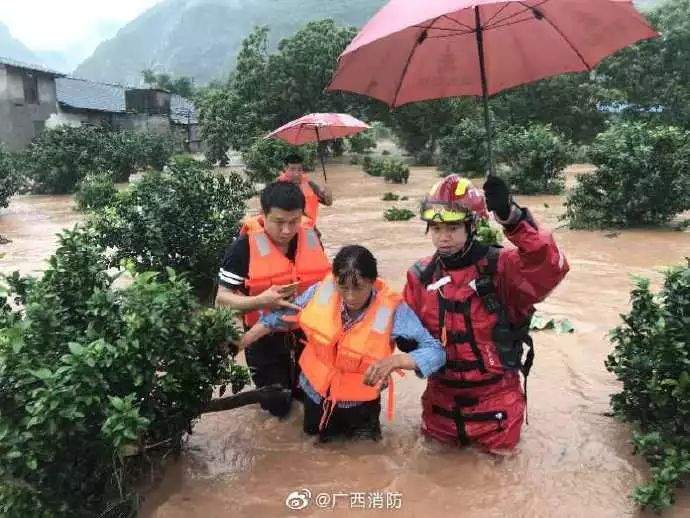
x=28, y=66
x=87, y=95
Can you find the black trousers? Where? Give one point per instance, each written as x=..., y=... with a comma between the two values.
x=358, y=422
x=272, y=360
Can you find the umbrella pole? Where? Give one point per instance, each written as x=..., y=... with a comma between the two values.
x=318, y=152
x=485, y=96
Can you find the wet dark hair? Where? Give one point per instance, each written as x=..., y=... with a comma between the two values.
x=282, y=195
x=293, y=158
x=353, y=262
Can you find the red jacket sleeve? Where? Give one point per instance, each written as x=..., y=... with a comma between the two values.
x=530, y=271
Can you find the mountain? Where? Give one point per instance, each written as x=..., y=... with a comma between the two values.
x=200, y=38
x=15, y=49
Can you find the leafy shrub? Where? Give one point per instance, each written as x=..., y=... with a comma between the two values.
x=395, y=170
x=425, y=157
x=385, y=152
x=463, y=149
x=397, y=214
x=372, y=166
x=95, y=191
x=9, y=178
x=362, y=142
x=487, y=234
x=652, y=359
x=181, y=219
x=392, y=169
x=264, y=158
x=536, y=157
x=389, y=196
x=355, y=159
x=96, y=383
x=642, y=177
x=61, y=157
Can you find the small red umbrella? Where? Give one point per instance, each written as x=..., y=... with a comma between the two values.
x=317, y=127
x=414, y=50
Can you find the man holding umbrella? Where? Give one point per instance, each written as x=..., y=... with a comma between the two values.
x=313, y=193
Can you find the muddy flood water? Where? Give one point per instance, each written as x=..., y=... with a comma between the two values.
x=572, y=460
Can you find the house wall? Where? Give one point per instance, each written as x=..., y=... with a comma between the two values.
x=19, y=121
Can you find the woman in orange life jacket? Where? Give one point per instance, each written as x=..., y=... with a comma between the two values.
x=352, y=321
x=313, y=193
x=262, y=270
x=478, y=300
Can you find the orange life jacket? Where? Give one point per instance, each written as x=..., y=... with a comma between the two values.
x=311, y=200
x=334, y=360
x=268, y=266
x=256, y=224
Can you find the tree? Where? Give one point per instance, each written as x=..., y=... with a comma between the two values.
x=9, y=177
x=654, y=75
x=419, y=126
x=226, y=122
x=570, y=103
x=642, y=177
x=182, y=85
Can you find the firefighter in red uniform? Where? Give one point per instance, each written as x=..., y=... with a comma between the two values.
x=478, y=301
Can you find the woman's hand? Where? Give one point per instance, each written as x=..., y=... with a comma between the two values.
x=277, y=297
x=377, y=373
x=255, y=333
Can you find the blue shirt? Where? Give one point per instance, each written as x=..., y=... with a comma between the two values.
x=429, y=356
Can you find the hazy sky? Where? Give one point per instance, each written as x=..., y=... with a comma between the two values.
x=74, y=27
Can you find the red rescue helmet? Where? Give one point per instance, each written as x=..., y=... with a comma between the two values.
x=453, y=200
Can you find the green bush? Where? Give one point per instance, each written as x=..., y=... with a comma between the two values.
x=463, y=149
x=536, y=157
x=355, y=159
x=397, y=214
x=264, y=158
x=372, y=166
x=96, y=383
x=9, y=177
x=391, y=169
x=362, y=142
x=651, y=358
x=181, y=219
x=642, y=177
x=95, y=191
x=389, y=196
x=61, y=157
x=395, y=170
x=487, y=234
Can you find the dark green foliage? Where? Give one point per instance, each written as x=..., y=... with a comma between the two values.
x=96, y=383
x=389, y=196
x=397, y=214
x=463, y=149
x=395, y=170
x=651, y=358
x=182, y=85
x=180, y=219
x=362, y=142
x=265, y=158
x=536, y=157
x=59, y=158
x=95, y=191
x=642, y=177
x=9, y=177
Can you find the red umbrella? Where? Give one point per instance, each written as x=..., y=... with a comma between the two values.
x=417, y=50
x=317, y=127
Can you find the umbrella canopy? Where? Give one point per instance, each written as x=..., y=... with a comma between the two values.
x=316, y=127
x=412, y=51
